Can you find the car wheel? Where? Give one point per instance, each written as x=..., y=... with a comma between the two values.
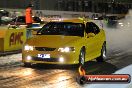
x=82, y=56
x=27, y=64
x=102, y=57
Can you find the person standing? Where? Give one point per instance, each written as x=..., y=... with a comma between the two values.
x=28, y=16
x=29, y=20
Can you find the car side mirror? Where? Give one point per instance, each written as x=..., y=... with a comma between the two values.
x=90, y=35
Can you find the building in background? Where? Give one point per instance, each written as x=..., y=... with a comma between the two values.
x=103, y=6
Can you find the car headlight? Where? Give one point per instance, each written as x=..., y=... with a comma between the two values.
x=66, y=49
x=27, y=47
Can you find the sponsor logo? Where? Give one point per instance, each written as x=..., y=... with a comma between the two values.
x=113, y=78
x=15, y=38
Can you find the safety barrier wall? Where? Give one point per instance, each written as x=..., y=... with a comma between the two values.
x=52, y=13
x=12, y=39
x=1, y=44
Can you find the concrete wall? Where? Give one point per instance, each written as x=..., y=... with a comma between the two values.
x=50, y=13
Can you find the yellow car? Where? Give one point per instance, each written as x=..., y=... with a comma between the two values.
x=70, y=41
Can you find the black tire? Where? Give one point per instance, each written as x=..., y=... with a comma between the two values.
x=82, y=56
x=102, y=57
x=27, y=64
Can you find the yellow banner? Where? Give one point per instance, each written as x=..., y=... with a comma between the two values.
x=14, y=39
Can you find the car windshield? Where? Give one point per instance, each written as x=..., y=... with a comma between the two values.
x=62, y=28
x=20, y=19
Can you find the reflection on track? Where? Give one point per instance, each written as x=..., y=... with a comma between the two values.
x=49, y=76
x=28, y=77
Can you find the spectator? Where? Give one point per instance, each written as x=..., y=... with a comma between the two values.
x=29, y=20
x=14, y=14
x=29, y=15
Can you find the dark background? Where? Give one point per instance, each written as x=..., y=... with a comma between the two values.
x=107, y=6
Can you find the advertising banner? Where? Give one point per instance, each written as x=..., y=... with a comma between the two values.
x=12, y=39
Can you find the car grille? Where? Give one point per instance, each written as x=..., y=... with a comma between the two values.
x=45, y=59
x=44, y=49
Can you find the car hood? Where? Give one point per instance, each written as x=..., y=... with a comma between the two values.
x=51, y=41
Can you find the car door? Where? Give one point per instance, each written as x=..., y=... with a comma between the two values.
x=92, y=40
x=98, y=38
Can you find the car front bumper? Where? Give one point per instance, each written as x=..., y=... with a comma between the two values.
x=55, y=57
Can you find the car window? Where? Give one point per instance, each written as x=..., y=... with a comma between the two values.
x=92, y=28
x=21, y=19
x=62, y=28
x=37, y=19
